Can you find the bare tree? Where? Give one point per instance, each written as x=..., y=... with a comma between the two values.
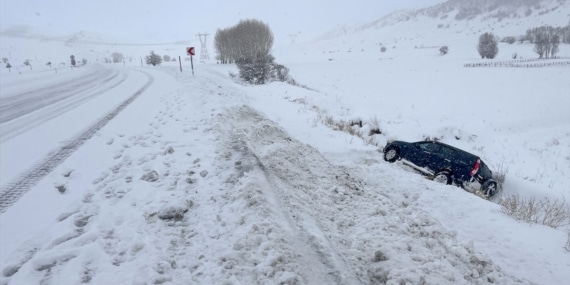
x=247, y=41
x=555, y=41
x=546, y=40
x=222, y=46
x=540, y=44
x=248, y=44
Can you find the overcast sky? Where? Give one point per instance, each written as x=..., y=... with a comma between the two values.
x=169, y=21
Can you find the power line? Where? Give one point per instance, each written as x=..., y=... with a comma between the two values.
x=293, y=37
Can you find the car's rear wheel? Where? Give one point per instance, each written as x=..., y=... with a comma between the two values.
x=443, y=177
x=489, y=188
x=391, y=154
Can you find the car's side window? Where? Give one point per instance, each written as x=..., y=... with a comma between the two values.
x=447, y=152
x=429, y=147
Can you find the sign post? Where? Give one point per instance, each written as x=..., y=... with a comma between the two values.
x=190, y=51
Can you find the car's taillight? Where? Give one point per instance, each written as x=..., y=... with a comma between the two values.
x=475, y=168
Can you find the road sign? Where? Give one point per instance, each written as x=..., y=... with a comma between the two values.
x=190, y=51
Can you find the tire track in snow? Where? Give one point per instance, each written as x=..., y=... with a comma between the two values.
x=12, y=192
x=277, y=154
x=345, y=230
x=20, y=104
x=52, y=109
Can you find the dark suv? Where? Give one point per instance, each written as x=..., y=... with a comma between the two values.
x=444, y=163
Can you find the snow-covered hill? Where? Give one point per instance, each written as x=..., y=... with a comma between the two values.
x=449, y=23
x=498, y=14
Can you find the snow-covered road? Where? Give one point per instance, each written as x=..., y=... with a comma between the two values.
x=19, y=103
x=63, y=106
x=25, y=107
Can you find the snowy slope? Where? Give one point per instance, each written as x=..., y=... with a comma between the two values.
x=254, y=204
x=201, y=179
x=237, y=199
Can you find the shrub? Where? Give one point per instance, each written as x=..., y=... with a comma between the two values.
x=500, y=174
x=153, y=59
x=548, y=212
x=444, y=50
x=352, y=127
x=374, y=127
x=117, y=57
x=509, y=40
x=488, y=47
x=262, y=70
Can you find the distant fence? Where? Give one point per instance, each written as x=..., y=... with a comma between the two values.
x=534, y=62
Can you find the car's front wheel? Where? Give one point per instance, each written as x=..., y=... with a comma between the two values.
x=489, y=188
x=391, y=154
x=443, y=177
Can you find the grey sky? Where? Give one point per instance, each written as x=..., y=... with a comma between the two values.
x=169, y=21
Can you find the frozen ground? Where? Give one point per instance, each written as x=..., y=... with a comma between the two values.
x=205, y=180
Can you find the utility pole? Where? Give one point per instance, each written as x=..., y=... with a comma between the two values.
x=293, y=37
x=203, y=48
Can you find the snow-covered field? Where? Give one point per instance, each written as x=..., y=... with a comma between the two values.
x=204, y=180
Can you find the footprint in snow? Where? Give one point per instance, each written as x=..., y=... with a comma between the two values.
x=119, y=154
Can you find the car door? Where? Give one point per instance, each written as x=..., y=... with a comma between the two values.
x=448, y=156
x=428, y=156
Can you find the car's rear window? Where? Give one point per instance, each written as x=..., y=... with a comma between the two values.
x=484, y=171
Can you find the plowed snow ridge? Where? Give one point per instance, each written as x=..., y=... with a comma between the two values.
x=237, y=200
x=317, y=204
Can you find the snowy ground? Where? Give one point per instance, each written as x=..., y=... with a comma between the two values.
x=245, y=185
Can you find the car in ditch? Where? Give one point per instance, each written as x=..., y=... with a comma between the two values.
x=445, y=164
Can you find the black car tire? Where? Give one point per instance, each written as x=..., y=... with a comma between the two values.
x=443, y=177
x=489, y=188
x=391, y=154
